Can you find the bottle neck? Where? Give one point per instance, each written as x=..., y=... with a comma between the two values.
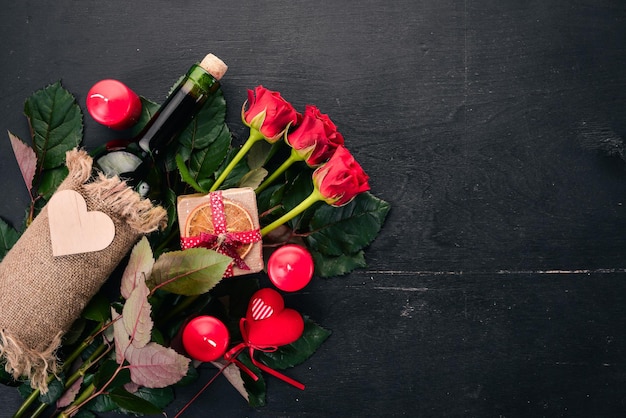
x=178, y=110
x=172, y=117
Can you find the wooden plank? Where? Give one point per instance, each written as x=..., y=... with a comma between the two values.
x=497, y=285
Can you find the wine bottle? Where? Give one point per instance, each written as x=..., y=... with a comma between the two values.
x=172, y=117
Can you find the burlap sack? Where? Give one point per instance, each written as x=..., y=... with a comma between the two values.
x=42, y=295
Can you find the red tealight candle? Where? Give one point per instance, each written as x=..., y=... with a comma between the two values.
x=290, y=267
x=113, y=104
x=205, y=338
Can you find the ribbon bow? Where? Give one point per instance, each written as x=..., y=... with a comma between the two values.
x=231, y=356
x=221, y=240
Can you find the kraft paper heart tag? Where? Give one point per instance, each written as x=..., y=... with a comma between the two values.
x=74, y=229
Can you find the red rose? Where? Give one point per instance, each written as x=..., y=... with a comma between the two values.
x=340, y=179
x=316, y=137
x=268, y=113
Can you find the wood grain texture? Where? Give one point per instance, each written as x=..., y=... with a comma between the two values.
x=74, y=229
x=497, y=286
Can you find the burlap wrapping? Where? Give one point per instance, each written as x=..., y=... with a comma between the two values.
x=41, y=295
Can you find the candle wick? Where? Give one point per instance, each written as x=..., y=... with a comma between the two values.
x=100, y=96
x=210, y=341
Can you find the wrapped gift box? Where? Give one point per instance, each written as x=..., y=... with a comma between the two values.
x=226, y=221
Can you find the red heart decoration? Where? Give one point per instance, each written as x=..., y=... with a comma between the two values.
x=264, y=304
x=268, y=323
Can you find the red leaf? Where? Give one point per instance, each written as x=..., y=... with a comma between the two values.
x=139, y=267
x=233, y=375
x=26, y=160
x=131, y=387
x=136, y=315
x=70, y=394
x=122, y=339
x=155, y=366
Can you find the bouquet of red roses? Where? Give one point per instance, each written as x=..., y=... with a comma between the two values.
x=138, y=337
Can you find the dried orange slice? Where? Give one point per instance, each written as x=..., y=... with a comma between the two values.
x=200, y=220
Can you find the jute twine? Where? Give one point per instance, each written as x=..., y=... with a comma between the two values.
x=42, y=295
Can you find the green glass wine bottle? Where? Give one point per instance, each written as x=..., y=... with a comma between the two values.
x=181, y=106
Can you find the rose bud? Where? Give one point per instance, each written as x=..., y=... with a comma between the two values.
x=268, y=113
x=340, y=179
x=316, y=137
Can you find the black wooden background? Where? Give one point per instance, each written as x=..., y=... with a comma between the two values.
x=498, y=284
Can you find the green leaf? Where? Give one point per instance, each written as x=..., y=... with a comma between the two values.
x=169, y=202
x=349, y=228
x=176, y=84
x=190, y=377
x=190, y=272
x=106, y=371
x=98, y=309
x=162, y=241
x=133, y=403
x=205, y=141
x=207, y=125
x=50, y=180
x=157, y=336
x=102, y=403
x=24, y=390
x=331, y=266
x=148, y=109
x=74, y=334
x=233, y=178
x=185, y=175
x=299, y=351
x=204, y=162
x=6, y=378
x=8, y=238
x=256, y=389
x=56, y=122
x=259, y=154
x=84, y=414
x=55, y=390
x=253, y=178
x=299, y=189
x=92, y=348
x=158, y=397
x=270, y=199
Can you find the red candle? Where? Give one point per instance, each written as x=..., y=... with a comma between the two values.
x=205, y=338
x=290, y=267
x=113, y=104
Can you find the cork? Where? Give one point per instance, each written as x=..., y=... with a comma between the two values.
x=214, y=66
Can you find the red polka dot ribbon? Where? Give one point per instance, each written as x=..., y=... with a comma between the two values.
x=220, y=239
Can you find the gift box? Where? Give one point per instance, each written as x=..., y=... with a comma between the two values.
x=226, y=221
